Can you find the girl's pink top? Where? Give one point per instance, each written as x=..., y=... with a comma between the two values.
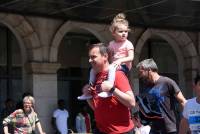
x=120, y=50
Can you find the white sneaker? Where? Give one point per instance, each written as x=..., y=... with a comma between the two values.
x=84, y=97
x=145, y=129
x=104, y=94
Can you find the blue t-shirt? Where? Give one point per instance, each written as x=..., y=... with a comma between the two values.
x=161, y=97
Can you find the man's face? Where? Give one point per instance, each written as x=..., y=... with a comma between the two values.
x=143, y=74
x=96, y=59
x=197, y=89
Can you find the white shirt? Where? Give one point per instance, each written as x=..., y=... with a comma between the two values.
x=61, y=120
x=191, y=112
x=80, y=123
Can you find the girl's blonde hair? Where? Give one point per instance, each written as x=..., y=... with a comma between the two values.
x=118, y=20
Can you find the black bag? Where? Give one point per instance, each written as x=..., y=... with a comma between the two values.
x=145, y=107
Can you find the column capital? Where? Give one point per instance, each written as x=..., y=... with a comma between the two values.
x=42, y=68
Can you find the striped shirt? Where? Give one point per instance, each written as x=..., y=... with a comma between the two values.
x=22, y=123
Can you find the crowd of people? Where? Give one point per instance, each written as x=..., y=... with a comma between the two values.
x=111, y=97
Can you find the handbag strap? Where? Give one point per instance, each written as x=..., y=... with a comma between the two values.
x=144, y=110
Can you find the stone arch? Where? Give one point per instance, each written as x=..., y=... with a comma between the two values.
x=95, y=29
x=23, y=31
x=182, y=46
x=28, y=41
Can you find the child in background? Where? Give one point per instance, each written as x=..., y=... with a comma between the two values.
x=190, y=121
x=123, y=53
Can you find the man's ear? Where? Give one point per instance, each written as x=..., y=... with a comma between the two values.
x=106, y=55
x=142, y=68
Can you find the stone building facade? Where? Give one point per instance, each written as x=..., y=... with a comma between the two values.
x=45, y=48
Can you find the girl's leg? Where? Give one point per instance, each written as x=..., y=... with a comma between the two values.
x=111, y=79
x=111, y=74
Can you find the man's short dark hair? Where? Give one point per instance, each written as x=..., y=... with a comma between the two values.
x=103, y=49
x=61, y=102
x=196, y=79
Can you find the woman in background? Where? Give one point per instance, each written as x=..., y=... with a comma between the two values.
x=23, y=120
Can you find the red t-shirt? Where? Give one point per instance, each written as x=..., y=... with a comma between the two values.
x=111, y=116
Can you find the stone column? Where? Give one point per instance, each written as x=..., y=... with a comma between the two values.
x=42, y=81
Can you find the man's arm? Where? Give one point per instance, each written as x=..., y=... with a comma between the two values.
x=181, y=99
x=53, y=123
x=184, y=126
x=87, y=90
x=126, y=98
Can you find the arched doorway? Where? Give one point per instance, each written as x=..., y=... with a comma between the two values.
x=11, y=66
x=163, y=54
x=74, y=71
x=10, y=69
x=180, y=45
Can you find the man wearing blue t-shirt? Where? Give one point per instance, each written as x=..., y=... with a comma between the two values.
x=162, y=91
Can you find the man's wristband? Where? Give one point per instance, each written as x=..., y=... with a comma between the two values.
x=112, y=90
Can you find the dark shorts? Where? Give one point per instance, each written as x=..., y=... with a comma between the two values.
x=125, y=69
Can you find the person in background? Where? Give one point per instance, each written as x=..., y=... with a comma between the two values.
x=83, y=121
x=190, y=121
x=112, y=114
x=162, y=93
x=23, y=120
x=122, y=53
x=60, y=118
x=20, y=104
x=7, y=110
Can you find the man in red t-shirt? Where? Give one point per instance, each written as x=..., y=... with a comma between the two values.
x=112, y=114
